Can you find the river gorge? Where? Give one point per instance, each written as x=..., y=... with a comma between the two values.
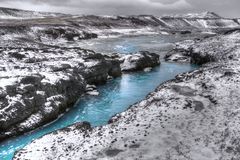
x=115, y=96
x=111, y=87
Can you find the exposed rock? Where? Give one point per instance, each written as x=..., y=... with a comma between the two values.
x=42, y=84
x=201, y=51
x=139, y=61
x=184, y=90
x=67, y=33
x=148, y=69
x=185, y=32
x=177, y=56
x=90, y=87
x=33, y=94
x=112, y=152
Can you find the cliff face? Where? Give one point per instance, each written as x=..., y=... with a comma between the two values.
x=37, y=85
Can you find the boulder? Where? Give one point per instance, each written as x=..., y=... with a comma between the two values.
x=139, y=61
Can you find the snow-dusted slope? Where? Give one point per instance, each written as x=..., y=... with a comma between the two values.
x=8, y=13
x=195, y=22
x=53, y=28
x=212, y=23
x=203, y=15
x=205, y=20
x=238, y=21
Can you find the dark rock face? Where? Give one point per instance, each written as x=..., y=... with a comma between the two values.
x=183, y=90
x=37, y=92
x=185, y=32
x=139, y=61
x=67, y=33
x=42, y=83
x=202, y=52
x=114, y=62
x=113, y=152
x=177, y=55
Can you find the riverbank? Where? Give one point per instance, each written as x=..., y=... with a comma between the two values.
x=194, y=116
x=114, y=97
x=37, y=85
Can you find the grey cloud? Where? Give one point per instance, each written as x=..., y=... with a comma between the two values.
x=227, y=8
x=165, y=1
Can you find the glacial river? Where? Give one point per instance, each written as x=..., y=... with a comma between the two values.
x=115, y=96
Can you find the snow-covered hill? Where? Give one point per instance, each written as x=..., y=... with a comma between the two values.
x=203, y=15
x=9, y=13
x=29, y=28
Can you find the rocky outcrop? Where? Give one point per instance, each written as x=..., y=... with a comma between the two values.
x=37, y=85
x=133, y=62
x=67, y=33
x=19, y=35
x=177, y=55
x=212, y=49
x=195, y=116
x=139, y=61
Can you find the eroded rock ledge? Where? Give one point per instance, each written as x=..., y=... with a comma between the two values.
x=37, y=85
x=196, y=116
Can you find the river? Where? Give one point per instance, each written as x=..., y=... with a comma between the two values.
x=117, y=94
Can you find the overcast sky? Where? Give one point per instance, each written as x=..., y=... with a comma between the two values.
x=226, y=8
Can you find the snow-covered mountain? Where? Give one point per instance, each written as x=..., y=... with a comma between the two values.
x=203, y=15
x=54, y=28
x=203, y=20
x=9, y=13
